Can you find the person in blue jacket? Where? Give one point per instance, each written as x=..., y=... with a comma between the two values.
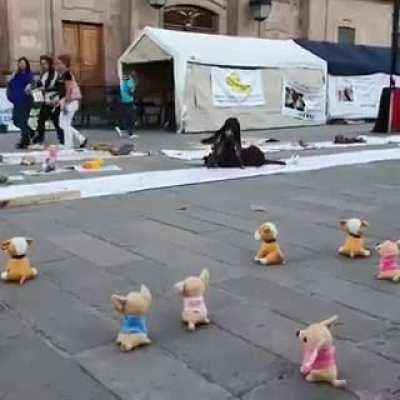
x=128, y=109
x=19, y=95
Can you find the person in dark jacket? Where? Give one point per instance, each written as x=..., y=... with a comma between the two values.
x=20, y=97
x=48, y=84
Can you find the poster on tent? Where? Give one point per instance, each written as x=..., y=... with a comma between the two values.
x=237, y=87
x=6, y=111
x=355, y=96
x=303, y=101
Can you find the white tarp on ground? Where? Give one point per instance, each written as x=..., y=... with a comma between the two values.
x=356, y=97
x=197, y=155
x=129, y=183
x=194, y=56
x=63, y=155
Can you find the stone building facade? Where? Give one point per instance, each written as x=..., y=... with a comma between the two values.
x=95, y=32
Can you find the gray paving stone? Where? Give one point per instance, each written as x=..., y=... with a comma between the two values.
x=92, y=249
x=365, y=371
x=262, y=327
x=138, y=234
x=33, y=370
x=230, y=361
x=296, y=388
x=302, y=307
x=85, y=282
x=148, y=373
x=67, y=323
x=387, y=344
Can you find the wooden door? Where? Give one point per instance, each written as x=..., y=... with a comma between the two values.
x=84, y=42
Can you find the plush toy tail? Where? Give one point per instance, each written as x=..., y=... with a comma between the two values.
x=339, y=383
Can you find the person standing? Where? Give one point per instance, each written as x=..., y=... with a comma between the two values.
x=70, y=97
x=128, y=111
x=48, y=110
x=18, y=93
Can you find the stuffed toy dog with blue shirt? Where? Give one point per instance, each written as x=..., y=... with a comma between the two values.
x=133, y=308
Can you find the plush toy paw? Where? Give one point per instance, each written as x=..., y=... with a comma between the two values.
x=339, y=383
x=341, y=250
x=256, y=259
x=34, y=271
x=264, y=261
x=207, y=321
x=4, y=275
x=366, y=253
x=396, y=278
x=191, y=326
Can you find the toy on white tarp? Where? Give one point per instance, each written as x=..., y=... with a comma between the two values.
x=18, y=268
x=133, y=308
x=192, y=290
x=319, y=354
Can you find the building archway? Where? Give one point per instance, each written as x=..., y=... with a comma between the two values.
x=191, y=18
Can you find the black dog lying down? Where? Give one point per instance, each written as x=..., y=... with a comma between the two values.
x=227, y=149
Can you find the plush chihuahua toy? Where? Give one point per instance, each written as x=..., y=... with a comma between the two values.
x=133, y=308
x=18, y=266
x=192, y=290
x=319, y=362
x=354, y=244
x=388, y=264
x=269, y=252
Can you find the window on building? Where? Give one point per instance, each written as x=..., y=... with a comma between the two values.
x=346, y=35
x=190, y=18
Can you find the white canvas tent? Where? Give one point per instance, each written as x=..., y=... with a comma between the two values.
x=255, y=71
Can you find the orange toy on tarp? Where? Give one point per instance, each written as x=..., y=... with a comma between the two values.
x=93, y=164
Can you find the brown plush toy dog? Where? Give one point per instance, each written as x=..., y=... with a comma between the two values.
x=18, y=266
x=269, y=252
x=192, y=290
x=133, y=308
x=354, y=244
x=319, y=361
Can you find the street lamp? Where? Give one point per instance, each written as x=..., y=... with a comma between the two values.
x=260, y=10
x=158, y=5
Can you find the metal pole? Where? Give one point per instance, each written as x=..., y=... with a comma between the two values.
x=393, y=68
x=395, y=40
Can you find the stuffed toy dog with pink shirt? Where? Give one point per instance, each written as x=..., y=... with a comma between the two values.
x=319, y=360
x=388, y=264
x=192, y=290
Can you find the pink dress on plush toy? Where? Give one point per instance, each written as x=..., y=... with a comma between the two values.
x=318, y=359
x=195, y=307
x=388, y=263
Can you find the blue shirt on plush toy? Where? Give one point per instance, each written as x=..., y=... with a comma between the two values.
x=134, y=324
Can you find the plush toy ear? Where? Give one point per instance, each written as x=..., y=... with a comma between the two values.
x=118, y=302
x=180, y=287
x=343, y=223
x=5, y=245
x=29, y=241
x=364, y=223
x=329, y=322
x=145, y=292
x=205, y=277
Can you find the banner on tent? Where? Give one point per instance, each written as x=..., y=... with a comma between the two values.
x=237, y=87
x=303, y=101
x=356, y=96
x=6, y=111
